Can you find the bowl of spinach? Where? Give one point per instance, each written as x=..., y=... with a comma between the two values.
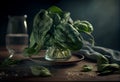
x=56, y=32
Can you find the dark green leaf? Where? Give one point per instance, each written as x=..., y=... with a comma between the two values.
x=54, y=9
x=87, y=68
x=40, y=71
x=54, y=27
x=8, y=62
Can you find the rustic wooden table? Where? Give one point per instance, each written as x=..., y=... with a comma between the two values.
x=70, y=72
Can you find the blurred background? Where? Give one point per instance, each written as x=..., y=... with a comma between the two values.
x=104, y=15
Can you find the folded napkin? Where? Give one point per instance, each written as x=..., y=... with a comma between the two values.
x=91, y=52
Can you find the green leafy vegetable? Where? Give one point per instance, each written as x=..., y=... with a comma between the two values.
x=8, y=62
x=104, y=67
x=40, y=71
x=87, y=68
x=101, y=60
x=55, y=9
x=55, y=27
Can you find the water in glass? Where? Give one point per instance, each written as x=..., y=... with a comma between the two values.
x=16, y=37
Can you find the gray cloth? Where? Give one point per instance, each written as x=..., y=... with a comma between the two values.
x=91, y=52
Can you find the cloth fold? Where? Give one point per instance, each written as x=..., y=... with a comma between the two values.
x=90, y=52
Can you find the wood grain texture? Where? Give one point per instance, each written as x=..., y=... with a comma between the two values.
x=59, y=73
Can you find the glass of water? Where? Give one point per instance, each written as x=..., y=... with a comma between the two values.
x=17, y=36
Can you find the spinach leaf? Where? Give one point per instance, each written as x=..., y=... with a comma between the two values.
x=54, y=27
x=87, y=68
x=8, y=62
x=104, y=67
x=40, y=71
x=55, y=9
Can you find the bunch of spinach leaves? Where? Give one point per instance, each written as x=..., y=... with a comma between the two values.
x=54, y=27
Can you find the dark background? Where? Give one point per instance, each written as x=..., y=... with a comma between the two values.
x=103, y=14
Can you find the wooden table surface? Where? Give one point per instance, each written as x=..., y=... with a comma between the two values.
x=63, y=73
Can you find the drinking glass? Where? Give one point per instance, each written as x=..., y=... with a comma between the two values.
x=17, y=36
